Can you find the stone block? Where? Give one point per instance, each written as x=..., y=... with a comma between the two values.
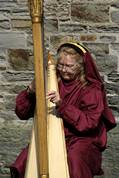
x=22, y=2
x=4, y=22
x=97, y=48
x=86, y=37
x=21, y=76
x=21, y=24
x=106, y=63
x=114, y=77
x=2, y=65
x=108, y=38
x=72, y=27
x=63, y=11
x=51, y=25
x=9, y=101
x=50, y=9
x=20, y=59
x=12, y=40
x=107, y=28
x=115, y=47
x=89, y=12
x=114, y=101
x=5, y=25
x=115, y=16
x=112, y=87
x=13, y=87
x=7, y=4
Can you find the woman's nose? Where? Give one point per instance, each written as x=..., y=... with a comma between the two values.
x=64, y=68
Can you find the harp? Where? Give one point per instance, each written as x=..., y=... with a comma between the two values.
x=43, y=159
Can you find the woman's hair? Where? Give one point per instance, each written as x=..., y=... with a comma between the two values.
x=79, y=58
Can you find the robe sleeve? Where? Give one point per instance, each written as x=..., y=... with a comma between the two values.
x=87, y=116
x=25, y=105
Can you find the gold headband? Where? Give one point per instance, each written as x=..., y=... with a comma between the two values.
x=77, y=45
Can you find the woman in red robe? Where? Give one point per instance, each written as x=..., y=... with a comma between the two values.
x=81, y=102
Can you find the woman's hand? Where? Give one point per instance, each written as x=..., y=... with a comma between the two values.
x=54, y=97
x=31, y=87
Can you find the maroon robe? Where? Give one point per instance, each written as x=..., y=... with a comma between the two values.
x=86, y=117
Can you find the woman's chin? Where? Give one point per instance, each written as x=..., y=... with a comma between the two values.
x=67, y=78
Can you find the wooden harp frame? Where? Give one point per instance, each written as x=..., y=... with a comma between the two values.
x=40, y=125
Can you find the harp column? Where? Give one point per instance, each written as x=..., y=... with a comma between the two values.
x=41, y=125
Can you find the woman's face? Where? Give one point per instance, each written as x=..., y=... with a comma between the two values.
x=67, y=67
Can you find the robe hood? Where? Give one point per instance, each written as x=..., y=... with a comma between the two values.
x=93, y=76
x=91, y=71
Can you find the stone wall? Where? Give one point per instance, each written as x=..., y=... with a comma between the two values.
x=95, y=23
